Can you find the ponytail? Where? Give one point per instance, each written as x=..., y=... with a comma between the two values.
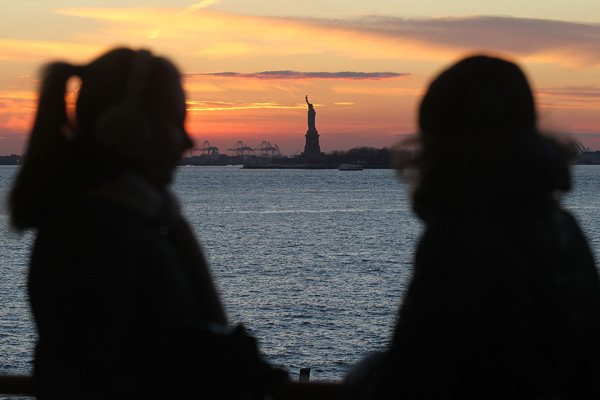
x=52, y=112
x=38, y=181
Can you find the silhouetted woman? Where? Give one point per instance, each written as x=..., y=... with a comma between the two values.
x=121, y=295
x=504, y=300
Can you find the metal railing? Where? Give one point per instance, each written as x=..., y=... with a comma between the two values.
x=16, y=385
x=22, y=385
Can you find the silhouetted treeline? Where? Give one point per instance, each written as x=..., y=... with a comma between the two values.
x=13, y=159
x=370, y=157
x=386, y=157
x=589, y=158
x=364, y=155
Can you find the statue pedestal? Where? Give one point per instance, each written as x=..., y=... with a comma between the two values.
x=312, y=151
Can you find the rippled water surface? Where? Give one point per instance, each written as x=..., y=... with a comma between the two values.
x=313, y=262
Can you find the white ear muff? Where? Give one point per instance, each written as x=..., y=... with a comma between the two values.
x=123, y=129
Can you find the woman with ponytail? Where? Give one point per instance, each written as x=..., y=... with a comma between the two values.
x=122, y=297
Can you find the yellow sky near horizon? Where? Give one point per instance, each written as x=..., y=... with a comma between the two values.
x=339, y=60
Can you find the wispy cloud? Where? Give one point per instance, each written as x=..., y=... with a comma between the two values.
x=542, y=40
x=284, y=75
x=196, y=106
x=218, y=35
x=595, y=135
x=379, y=90
x=17, y=95
x=574, y=97
x=200, y=5
x=577, y=92
x=34, y=50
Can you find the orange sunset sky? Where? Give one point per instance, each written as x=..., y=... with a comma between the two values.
x=248, y=64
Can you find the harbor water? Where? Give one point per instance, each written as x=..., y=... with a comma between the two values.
x=313, y=262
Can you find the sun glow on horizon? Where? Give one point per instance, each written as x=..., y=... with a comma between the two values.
x=247, y=74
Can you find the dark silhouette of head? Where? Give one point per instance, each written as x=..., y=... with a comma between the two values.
x=478, y=96
x=131, y=107
x=480, y=149
x=130, y=116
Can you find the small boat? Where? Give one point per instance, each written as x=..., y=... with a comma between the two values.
x=350, y=167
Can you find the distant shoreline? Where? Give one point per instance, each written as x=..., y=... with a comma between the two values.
x=369, y=158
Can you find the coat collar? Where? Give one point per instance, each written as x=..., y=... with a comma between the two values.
x=132, y=191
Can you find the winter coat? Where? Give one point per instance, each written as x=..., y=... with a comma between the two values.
x=125, y=305
x=499, y=306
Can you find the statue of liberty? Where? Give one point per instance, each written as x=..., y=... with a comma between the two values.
x=312, y=150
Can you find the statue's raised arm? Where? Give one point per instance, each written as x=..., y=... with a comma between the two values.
x=306, y=98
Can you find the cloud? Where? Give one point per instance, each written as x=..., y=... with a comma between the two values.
x=197, y=106
x=596, y=135
x=562, y=42
x=575, y=92
x=285, y=75
x=574, y=97
x=200, y=5
x=34, y=50
x=18, y=95
x=380, y=91
x=219, y=35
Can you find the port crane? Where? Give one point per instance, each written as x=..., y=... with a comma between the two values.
x=580, y=149
x=267, y=150
x=242, y=150
x=208, y=150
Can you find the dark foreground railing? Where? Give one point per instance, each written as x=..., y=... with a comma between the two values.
x=22, y=385
x=16, y=385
